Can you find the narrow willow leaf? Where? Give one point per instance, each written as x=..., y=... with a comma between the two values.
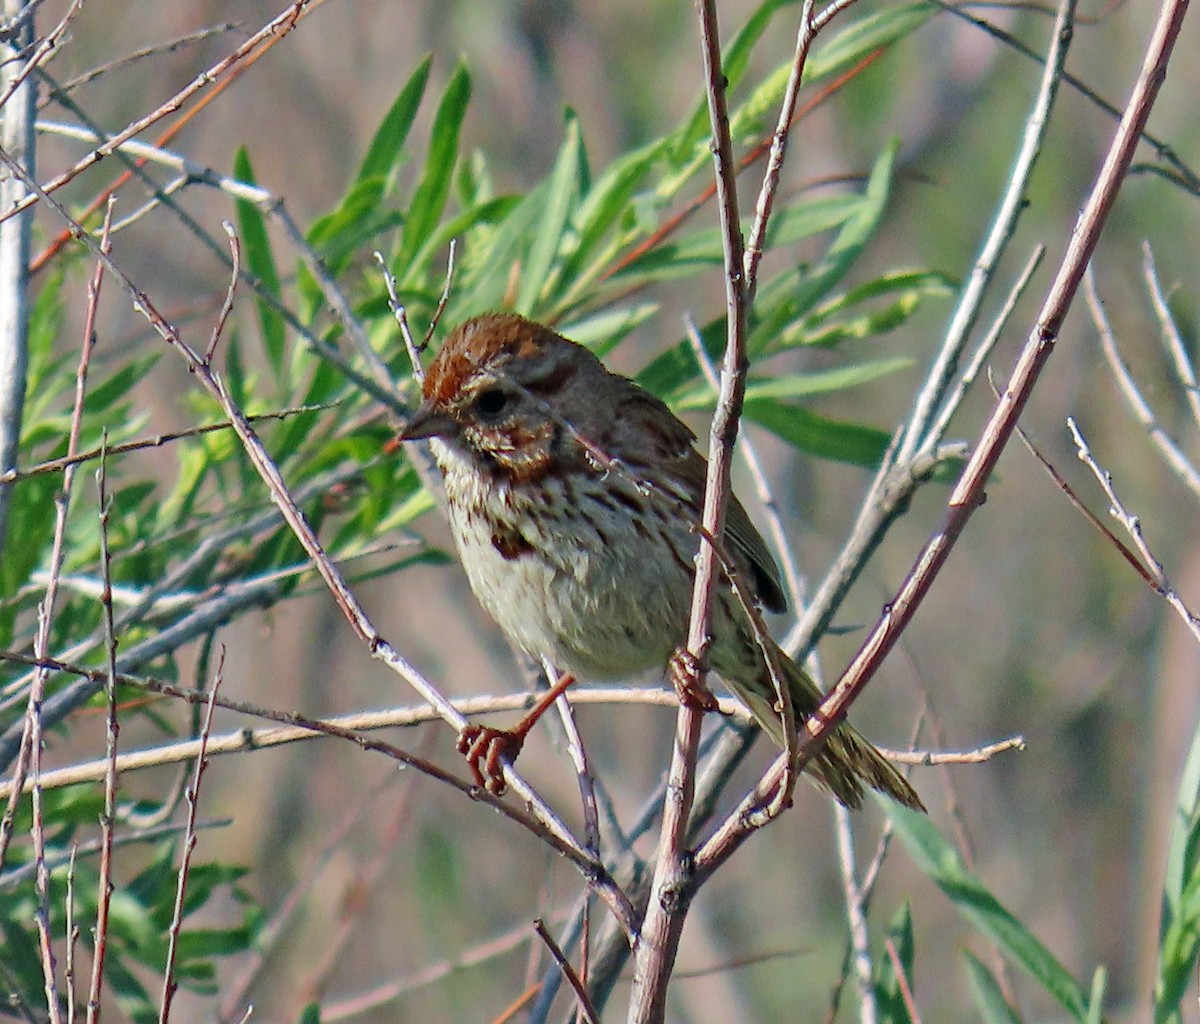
x=798, y=385
x=1179, y=927
x=854, y=42
x=259, y=260
x=827, y=439
x=603, y=331
x=562, y=188
x=944, y=866
x=989, y=998
x=388, y=141
x=429, y=197
x=734, y=60
x=608, y=203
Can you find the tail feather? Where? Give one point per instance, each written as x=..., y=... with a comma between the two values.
x=846, y=760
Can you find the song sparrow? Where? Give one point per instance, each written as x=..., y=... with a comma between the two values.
x=572, y=495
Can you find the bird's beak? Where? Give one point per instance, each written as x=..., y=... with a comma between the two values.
x=428, y=421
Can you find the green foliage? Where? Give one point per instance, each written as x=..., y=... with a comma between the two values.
x=1179, y=929
x=592, y=250
x=944, y=866
x=889, y=993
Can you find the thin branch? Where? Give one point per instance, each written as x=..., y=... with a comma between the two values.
x=983, y=351
x=592, y=869
x=72, y=940
x=671, y=888
x=279, y=26
x=930, y=398
x=906, y=992
x=856, y=913
x=389, y=992
x=1176, y=348
x=783, y=548
x=1133, y=526
x=17, y=136
x=155, y=49
x=585, y=1004
x=967, y=495
x=157, y=441
x=1167, y=446
x=104, y=885
x=235, y=251
x=170, y=985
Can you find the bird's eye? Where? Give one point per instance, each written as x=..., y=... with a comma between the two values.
x=491, y=403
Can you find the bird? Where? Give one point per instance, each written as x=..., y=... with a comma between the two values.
x=573, y=496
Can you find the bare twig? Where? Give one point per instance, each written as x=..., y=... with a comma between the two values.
x=1172, y=454
x=930, y=398
x=1176, y=348
x=357, y=1005
x=104, y=885
x=783, y=548
x=155, y=49
x=18, y=138
x=856, y=913
x=906, y=992
x=978, y=755
x=671, y=888
x=1133, y=526
x=983, y=351
x=279, y=26
x=157, y=441
x=235, y=251
x=185, y=859
x=967, y=494
x=585, y=1004
x=440, y=309
x=72, y=940
x=401, y=316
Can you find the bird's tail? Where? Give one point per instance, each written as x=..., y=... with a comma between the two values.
x=846, y=760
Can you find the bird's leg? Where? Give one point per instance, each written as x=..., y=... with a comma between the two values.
x=487, y=749
x=684, y=672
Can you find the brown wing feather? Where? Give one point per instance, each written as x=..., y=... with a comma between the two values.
x=646, y=423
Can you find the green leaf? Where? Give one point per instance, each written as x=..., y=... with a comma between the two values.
x=889, y=994
x=835, y=320
x=1095, y=1014
x=603, y=331
x=944, y=866
x=607, y=201
x=104, y=394
x=256, y=252
x=734, y=60
x=827, y=439
x=562, y=189
x=362, y=199
x=1179, y=927
x=429, y=197
x=702, y=250
x=30, y=530
x=797, y=385
x=847, y=47
x=388, y=141
x=132, y=998
x=483, y=280
x=989, y=998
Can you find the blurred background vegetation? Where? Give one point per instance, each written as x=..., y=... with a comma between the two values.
x=1035, y=627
